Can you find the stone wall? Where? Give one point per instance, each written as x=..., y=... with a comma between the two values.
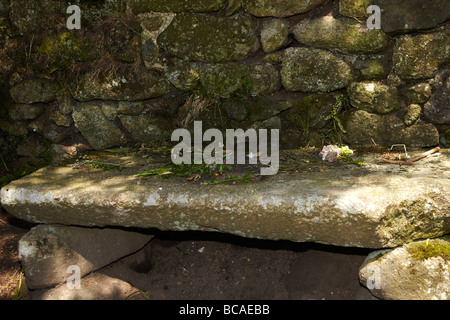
x=137, y=69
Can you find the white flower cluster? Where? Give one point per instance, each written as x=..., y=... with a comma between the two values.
x=345, y=151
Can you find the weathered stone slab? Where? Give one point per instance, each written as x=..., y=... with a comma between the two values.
x=374, y=206
x=47, y=251
x=415, y=271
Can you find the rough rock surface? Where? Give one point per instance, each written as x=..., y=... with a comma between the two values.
x=47, y=251
x=364, y=128
x=207, y=38
x=95, y=286
x=408, y=15
x=100, y=132
x=274, y=35
x=343, y=34
x=34, y=90
x=373, y=206
x=399, y=275
x=373, y=97
x=420, y=56
x=437, y=109
x=311, y=70
x=279, y=8
x=125, y=85
x=139, y=6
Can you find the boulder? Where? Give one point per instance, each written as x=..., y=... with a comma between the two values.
x=29, y=16
x=279, y=8
x=19, y=112
x=4, y=7
x=344, y=205
x=418, y=93
x=354, y=8
x=67, y=47
x=95, y=286
x=411, y=15
x=342, y=34
x=373, y=69
x=146, y=128
x=311, y=111
x=13, y=128
x=312, y=70
x=437, y=109
x=265, y=107
x=274, y=35
x=139, y=6
x=100, y=132
x=209, y=38
x=373, y=97
x=47, y=251
x=413, y=112
x=415, y=271
x=364, y=128
x=237, y=79
x=33, y=91
x=420, y=56
x=124, y=85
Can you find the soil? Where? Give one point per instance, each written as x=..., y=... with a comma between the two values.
x=11, y=276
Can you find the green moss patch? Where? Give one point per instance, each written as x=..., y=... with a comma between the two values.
x=429, y=249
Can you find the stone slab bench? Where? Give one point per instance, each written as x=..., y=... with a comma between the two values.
x=378, y=205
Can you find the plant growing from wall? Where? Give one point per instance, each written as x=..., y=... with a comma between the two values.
x=333, y=133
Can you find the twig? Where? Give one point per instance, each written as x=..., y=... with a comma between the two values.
x=4, y=163
x=426, y=154
x=413, y=160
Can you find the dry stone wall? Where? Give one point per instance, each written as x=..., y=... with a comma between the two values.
x=136, y=69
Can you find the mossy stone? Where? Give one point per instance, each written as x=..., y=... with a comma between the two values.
x=34, y=90
x=312, y=70
x=209, y=38
x=373, y=70
x=420, y=56
x=342, y=34
x=265, y=107
x=177, y=6
x=279, y=8
x=413, y=112
x=373, y=97
x=364, y=128
x=146, y=128
x=274, y=35
x=311, y=111
x=100, y=132
x=354, y=8
x=238, y=79
x=67, y=46
x=124, y=85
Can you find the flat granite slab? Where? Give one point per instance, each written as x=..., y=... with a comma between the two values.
x=374, y=206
